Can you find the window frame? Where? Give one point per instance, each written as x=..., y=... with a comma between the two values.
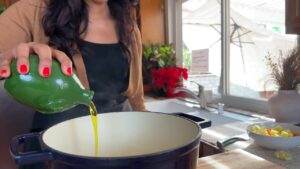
x=174, y=35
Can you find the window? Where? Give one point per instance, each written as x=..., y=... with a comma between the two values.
x=201, y=43
x=257, y=29
x=224, y=45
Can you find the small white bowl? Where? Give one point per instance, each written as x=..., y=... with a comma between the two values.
x=276, y=143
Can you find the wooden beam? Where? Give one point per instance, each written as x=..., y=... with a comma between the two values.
x=152, y=21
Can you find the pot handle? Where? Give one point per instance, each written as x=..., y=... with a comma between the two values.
x=203, y=123
x=23, y=158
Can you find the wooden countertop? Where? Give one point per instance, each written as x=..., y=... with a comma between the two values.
x=236, y=159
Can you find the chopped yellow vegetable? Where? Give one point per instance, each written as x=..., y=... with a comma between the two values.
x=274, y=132
x=256, y=127
x=277, y=131
x=279, y=128
x=283, y=155
x=284, y=134
x=290, y=133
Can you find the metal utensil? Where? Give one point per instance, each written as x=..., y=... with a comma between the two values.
x=222, y=144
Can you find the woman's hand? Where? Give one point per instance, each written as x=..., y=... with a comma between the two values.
x=45, y=53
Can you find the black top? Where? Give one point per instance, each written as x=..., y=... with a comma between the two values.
x=107, y=69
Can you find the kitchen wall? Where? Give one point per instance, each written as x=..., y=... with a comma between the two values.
x=152, y=21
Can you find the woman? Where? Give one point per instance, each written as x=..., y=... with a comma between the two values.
x=99, y=37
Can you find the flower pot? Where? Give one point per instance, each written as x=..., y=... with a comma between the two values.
x=285, y=106
x=159, y=92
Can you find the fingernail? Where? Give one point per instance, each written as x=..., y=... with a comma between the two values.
x=23, y=69
x=46, y=71
x=3, y=72
x=70, y=71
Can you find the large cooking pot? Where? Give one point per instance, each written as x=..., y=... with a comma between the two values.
x=128, y=140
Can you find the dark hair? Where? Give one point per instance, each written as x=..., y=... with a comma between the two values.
x=66, y=20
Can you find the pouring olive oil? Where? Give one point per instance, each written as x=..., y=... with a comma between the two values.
x=51, y=95
x=94, y=118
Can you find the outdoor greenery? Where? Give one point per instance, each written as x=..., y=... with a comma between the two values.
x=187, y=58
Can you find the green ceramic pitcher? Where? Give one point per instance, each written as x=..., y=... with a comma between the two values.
x=50, y=95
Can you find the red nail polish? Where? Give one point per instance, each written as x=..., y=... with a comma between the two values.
x=70, y=71
x=23, y=69
x=46, y=71
x=3, y=72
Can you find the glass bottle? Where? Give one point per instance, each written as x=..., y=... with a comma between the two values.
x=54, y=94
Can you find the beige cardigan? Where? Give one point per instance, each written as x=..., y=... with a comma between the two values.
x=21, y=23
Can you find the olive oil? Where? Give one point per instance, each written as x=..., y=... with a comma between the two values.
x=94, y=118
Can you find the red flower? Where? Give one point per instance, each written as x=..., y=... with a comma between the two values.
x=185, y=73
x=168, y=78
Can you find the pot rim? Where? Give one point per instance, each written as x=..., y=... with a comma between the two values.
x=193, y=143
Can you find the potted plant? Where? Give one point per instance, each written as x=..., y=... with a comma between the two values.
x=161, y=75
x=284, y=106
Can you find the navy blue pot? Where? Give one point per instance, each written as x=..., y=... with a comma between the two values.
x=172, y=152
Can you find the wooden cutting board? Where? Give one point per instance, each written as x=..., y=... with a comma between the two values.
x=236, y=159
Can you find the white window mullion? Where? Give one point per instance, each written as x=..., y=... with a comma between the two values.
x=178, y=32
x=225, y=22
x=259, y=106
x=174, y=27
x=169, y=18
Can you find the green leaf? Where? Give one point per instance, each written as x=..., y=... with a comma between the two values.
x=161, y=63
x=159, y=55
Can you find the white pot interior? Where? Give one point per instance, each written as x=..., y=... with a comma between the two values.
x=122, y=134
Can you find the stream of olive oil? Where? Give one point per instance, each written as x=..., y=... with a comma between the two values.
x=94, y=113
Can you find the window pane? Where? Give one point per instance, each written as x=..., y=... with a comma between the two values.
x=257, y=28
x=202, y=43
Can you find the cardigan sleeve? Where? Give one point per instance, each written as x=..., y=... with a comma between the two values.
x=137, y=98
x=14, y=26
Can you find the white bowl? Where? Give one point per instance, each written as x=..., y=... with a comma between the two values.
x=276, y=143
